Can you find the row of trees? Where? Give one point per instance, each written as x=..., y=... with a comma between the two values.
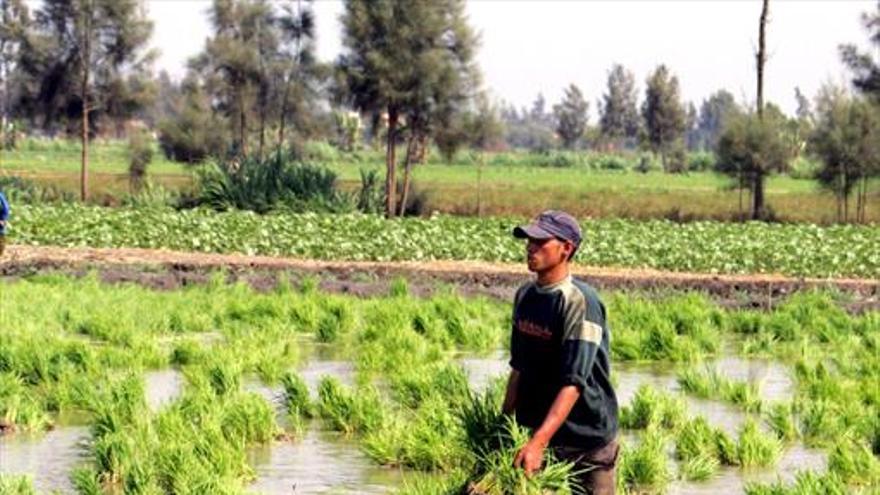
x=407, y=66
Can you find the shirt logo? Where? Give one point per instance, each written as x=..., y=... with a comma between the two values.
x=533, y=329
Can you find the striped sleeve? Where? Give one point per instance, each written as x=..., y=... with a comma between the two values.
x=582, y=335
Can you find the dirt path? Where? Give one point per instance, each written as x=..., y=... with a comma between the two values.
x=169, y=269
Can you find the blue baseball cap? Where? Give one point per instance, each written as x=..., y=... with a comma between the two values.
x=549, y=224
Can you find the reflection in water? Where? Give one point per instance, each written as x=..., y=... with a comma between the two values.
x=162, y=387
x=773, y=379
x=732, y=480
x=48, y=458
x=318, y=463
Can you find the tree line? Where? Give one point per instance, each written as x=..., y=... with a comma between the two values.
x=408, y=70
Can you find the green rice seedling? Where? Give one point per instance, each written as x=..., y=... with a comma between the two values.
x=338, y=319
x=781, y=419
x=224, y=378
x=710, y=384
x=728, y=452
x=19, y=407
x=428, y=439
x=446, y=380
x=650, y=408
x=399, y=287
x=186, y=352
x=496, y=474
x=447, y=483
x=696, y=439
x=645, y=467
x=309, y=285
x=805, y=483
x=296, y=395
x=817, y=421
x=248, y=418
x=699, y=468
x=16, y=485
x=348, y=413
x=482, y=421
x=756, y=449
x=854, y=462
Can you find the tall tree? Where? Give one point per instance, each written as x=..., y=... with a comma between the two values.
x=863, y=64
x=571, y=116
x=750, y=149
x=299, y=70
x=80, y=47
x=396, y=55
x=14, y=22
x=237, y=52
x=618, y=112
x=847, y=139
x=715, y=112
x=663, y=112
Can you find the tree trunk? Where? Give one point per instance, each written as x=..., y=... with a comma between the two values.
x=407, y=164
x=242, y=124
x=283, y=116
x=390, y=164
x=762, y=57
x=758, y=196
x=85, y=61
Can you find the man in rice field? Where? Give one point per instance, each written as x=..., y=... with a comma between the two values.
x=560, y=384
x=4, y=217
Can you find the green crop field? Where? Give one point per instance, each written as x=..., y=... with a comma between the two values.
x=712, y=247
x=508, y=183
x=392, y=377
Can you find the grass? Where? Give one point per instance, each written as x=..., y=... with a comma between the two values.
x=509, y=184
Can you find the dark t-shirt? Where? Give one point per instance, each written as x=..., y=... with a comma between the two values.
x=560, y=337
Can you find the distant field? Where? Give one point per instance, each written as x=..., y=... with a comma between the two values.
x=466, y=189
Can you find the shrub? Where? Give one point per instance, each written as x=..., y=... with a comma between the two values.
x=277, y=182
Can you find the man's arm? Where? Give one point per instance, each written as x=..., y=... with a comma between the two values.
x=510, y=396
x=531, y=455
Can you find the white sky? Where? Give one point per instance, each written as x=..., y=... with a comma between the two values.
x=541, y=46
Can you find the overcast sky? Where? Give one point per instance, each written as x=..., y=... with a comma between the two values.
x=535, y=46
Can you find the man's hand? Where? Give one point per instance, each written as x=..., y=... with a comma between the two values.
x=530, y=456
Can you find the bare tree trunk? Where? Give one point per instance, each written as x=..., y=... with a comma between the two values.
x=740, y=186
x=283, y=116
x=262, y=121
x=242, y=124
x=407, y=164
x=762, y=57
x=390, y=164
x=758, y=196
x=85, y=61
x=758, y=179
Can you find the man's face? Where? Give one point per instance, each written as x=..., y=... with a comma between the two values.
x=546, y=254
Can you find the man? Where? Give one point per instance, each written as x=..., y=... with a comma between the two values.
x=559, y=384
x=4, y=216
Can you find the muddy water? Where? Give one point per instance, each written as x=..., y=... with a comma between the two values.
x=323, y=462
x=47, y=458
x=162, y=387
x=732, y=480
x=319, y=463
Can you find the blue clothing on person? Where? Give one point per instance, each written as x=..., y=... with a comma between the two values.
x=4, y=213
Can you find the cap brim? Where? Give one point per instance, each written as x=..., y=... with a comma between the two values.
x=531, y=231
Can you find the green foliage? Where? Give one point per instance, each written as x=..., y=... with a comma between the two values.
x=16, y=485
x=278, y=182
x=571, y=116
x=663, y=113
x=645, y=467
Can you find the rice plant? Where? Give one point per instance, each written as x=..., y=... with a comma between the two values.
x=645, y=467
x=756, y=449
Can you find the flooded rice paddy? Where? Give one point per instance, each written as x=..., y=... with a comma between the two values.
x=325, y=462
